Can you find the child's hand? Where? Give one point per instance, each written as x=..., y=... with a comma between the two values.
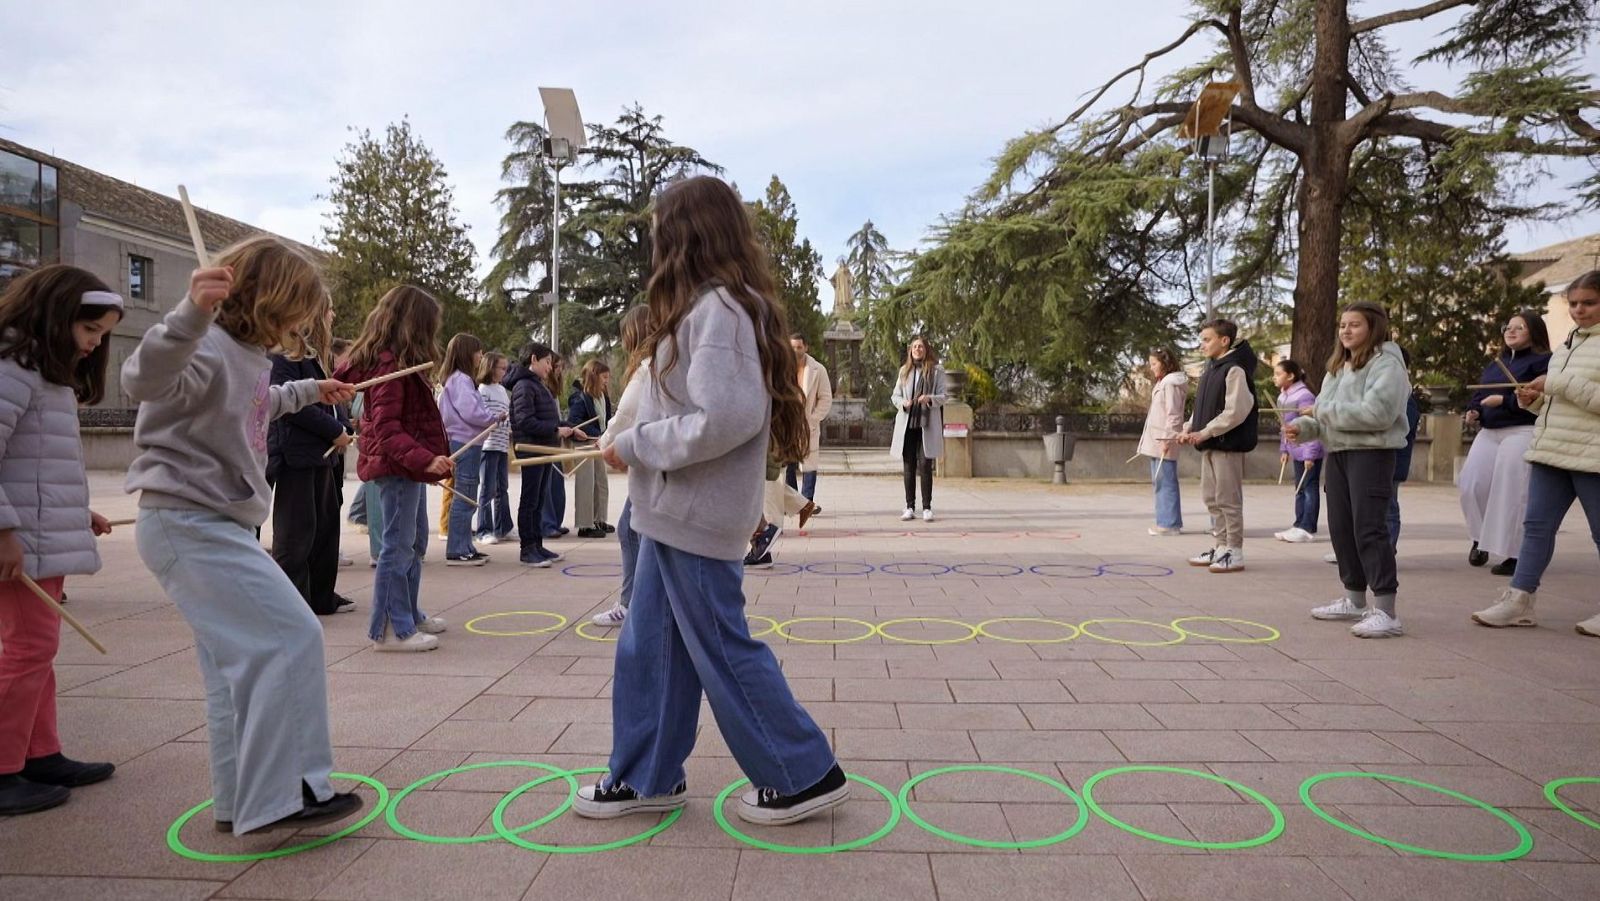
x=344, y=440
x=566, y=431
x=99, y=524
x=612, y=459
x=1307, y=411
x=208, y=288
x=440, y=466
x=1529, y=394
x=1283, y=458
x=336, y=392
x=1470, y=416
x=10, y=556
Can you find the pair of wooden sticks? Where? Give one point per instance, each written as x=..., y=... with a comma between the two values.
x=1497, y=385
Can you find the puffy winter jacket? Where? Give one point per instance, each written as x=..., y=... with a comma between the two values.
x=44, y=494
x=582, y=408
x=1362, y=409
x=1568, y=431
x=535, y=418
x=401, y=431
x=301, y=440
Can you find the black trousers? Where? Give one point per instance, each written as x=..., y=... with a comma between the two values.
x=531, y=505
x=1359, y=486
x=914, y=463
x=305, y=533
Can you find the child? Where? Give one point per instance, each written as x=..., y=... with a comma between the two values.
x=918, y=398
x=1565, y=453
x=555, y=487
x=494, y=494
x=591, y=493
x=535, y=419
x=1402, y=457
x=1295, y=398
x=53, y=324
x=634, y=329
x=203, y=380
x=402, y=447
x=1162, y=425
x=1224, y=430
x=696, y=459
x=779, y=499
x=1361, y=419
x=465, y=416
x=305, y=499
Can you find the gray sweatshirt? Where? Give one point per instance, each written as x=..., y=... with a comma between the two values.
x=697, y=457
x=205, y=402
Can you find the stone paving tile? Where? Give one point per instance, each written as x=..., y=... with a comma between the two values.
x=1307, y=744
x=1254, y=878
x=865, y=875
x=908, y=690
x=1217, y=716
x=967, y=691
x=972, y=878
x=964, y=716
x=1129, y=691
x=652, y=872
x=1089, y=716
x=1186, y=744
x=121, y=729
x=77, y=888
x=903, y=744
x=1411, y=878
x=492, y=708
x=1245, y=692
x=398, y=870
x=1043, y=745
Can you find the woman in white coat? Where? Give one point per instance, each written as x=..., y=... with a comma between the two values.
x=919, y=396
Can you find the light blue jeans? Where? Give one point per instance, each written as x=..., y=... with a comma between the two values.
x=261, y=658
x=1308, y=497
x=405, y=540
x=629, y=539
x=1551, y=491
x=1169, y=502
x=685, y=633
x=458, y=541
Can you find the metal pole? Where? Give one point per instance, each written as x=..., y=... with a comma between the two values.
x=555, y=270
x=1060, y=475
x=1211, y=244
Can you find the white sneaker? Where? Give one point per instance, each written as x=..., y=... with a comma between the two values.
x=908, y=515
x=1296, y=535
x=1163, y=531
x=1230, y=560
x=616, y=616
x=346, y=559
x=1204, y=558
x=421, y=641
x=1515, y=608
x=927, y=514
x=1330, y=557
x=1378, y=624
x=1341, y=608
x=1589, y=627
x=488, y=538
x=433, y=625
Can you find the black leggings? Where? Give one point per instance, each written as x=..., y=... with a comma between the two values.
x=912, y=461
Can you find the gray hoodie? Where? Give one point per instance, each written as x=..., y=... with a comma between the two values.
x=697, y=457
x=205, y=402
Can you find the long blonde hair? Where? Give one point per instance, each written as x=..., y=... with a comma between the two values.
x=930, y=360
x=406, y=323
x=276, y=293
x=1377, y=333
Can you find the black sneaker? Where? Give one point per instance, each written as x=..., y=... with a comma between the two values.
x=762, y=562
x=608, y=527
x=598, y=802
x=591, y=533
x=763, y=543
x=1506, y=567
x=19, y=796
x=57, y=769
x=466, y=560
x=768, y=807
x=315, y=813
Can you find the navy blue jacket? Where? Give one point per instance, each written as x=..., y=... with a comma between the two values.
x=1402, y=457
x=300, y=440
x=581, y=408
x=535, y=418
x=1526, y=365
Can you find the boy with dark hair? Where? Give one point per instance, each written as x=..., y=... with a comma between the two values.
x=1224, y=431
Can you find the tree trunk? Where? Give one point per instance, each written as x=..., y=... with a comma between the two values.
x=1323, y=188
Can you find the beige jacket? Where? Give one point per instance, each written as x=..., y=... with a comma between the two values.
x=819, y=400
x=1165, y=419
x=1567, y=434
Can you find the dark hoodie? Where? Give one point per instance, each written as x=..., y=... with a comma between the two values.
x=1211, y=401
x=535, y=418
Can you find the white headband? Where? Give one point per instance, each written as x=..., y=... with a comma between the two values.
x=102, y=299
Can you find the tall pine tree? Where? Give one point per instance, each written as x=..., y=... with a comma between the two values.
x=796, y=265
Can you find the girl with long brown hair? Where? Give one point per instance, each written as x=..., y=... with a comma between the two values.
x=403, y=446
x=1163, y=423
x=588, y=412
x=465, y=416
x=918, y=398
x=723, y=388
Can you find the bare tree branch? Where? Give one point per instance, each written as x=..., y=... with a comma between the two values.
x=1395, y=125
x=1241, y=56
x=1405, y=15
x=1139, y=67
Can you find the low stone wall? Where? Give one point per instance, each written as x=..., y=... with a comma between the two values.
x=107, y=447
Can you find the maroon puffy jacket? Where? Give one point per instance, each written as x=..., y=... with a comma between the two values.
x=401, y=431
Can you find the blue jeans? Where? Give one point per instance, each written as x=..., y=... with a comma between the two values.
x=1169, y=503
x=1394, y=517
x=629, y=539
x=458, y=542
x=1551, y=491
x=808, y=481
x=358, y=506
x=494, y=495
x=555, y=500
x=685, y=633
x=1308, y=497
x=405, y=540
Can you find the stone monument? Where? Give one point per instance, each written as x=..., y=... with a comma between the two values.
x=841, y=349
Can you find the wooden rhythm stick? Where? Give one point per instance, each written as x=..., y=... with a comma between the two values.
x=1505, y=369
x=1494, y=385
x=1304, y=475
x=476, y=438
x=402, y=373
x=557, y=458
x=580, y=425
x=65, y=616
x=1135, y=456
x=330, y=450
x=121, y=522
x=194, y=229
x=467, y=500
x=543, y=449
x=1282, y=465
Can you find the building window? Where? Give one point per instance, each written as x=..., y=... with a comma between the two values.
x=138, y=277
x=29, y=215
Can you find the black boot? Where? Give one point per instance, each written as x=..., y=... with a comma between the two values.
x=1477, y=557
x=19, y=796
x=57, y=769
x=1506, y=567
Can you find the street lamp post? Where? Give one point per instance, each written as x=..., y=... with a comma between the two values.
x=564, y=138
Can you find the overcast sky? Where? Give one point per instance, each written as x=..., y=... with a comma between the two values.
x=889, y=111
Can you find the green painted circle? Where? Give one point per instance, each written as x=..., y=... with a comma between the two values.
x=1069, y=832
x=178, y=848
x=499, y=820
x=1555, y=785
x=1265, y=837
x=1522, y=848
x=402, y=829
x=894, y=820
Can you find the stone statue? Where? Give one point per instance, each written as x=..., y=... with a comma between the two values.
x=844, y=302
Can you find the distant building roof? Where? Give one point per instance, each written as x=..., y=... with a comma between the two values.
x=1558, y=264
x=143, y=208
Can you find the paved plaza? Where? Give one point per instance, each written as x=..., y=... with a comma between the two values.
x=1077, y=669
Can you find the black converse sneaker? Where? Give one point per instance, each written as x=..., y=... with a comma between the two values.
x=604, y=802
x=769, y=807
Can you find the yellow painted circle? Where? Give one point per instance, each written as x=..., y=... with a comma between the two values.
x=1084, y=628
x=772, y=625
x=782, y=630
x=1272, y=635
x=472, y=624
x=983, y=629
x=883, y=629
x=583, y=634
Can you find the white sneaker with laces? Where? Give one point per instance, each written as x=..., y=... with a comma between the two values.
x=1296, y=535
x=420, y=641
x=908, y=515
x=616, y=616
x=1229, y=560
x=1515, y=608
x=1204, y=558
x=1341, y=608
x=433, y=625
x=1163, y=531
x=927, y=514
x=489, y=539
x=1378, y=624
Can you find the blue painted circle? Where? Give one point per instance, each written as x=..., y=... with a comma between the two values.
x=1122, y=570
x=886, y=568
x=1048, y=571
x=812, y=568
x=1018, y=570
x=575, y=570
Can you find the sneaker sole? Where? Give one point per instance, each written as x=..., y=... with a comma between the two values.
x=1206, y=564
x=478, y=562
x=590, y=810
x=1337, y=618
x=396, y=649
x=1511, y=625
x=758, y=817
x=1228, y=571
x=1384, y=634
x=43, y=804
x=1585, y=632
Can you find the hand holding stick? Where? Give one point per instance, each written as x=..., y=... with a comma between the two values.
x=1304, y=475
x=557, y=458
x=121, y=522
x=65, y=616
x=401, y=373
x=475, y=439
x=1505, y=369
